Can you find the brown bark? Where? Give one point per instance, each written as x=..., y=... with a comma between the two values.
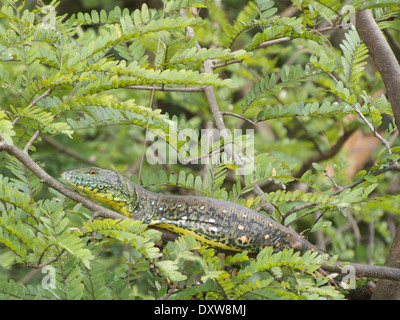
x=389, y=69
x=386, y=289
x=383, y=56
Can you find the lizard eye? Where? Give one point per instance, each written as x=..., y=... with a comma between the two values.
x=93, y=172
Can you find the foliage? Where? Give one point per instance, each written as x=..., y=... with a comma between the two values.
x=95, y=87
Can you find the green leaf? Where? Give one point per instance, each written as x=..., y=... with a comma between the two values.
x=354, y=54
x=317, y=167
x=12, y=290
x=170, y=269
x=6, y=131
x=369, y=189
x=321, y=224
x=370, y=178
x=75, y=246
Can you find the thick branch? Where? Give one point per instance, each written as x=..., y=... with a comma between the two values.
x=386, y=289
x=383, y=56
x=368, y=271
x=27, y=161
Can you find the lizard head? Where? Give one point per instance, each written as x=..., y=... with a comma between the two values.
x=103, y=185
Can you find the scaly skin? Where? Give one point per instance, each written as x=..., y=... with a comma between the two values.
x=221, y=224
x=218, y=223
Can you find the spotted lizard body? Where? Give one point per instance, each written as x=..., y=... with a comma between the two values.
x=214, y=222
x=218, y=223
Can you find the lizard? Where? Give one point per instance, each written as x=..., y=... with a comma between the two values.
x=221, y=224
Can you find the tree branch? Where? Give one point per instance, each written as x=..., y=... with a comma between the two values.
x=166, y=89
x=31, y=140
x=41, y=265
x=389, y=68
x=98, y=210
x=383, y=56
x=44, y=177
x=226, y=113
x=216, y=66
x=370, y=126
x=386, y=289
x=45, y=94
x=392, y=167
x=284, y=39
x=367, y=271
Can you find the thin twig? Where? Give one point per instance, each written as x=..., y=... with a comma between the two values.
x=148, y=122
x=193, y=160
x=284, y=39
x=370, y=126
x=15, y=121
x=149, y=88
x=226, y=113
x=45, y=94
x=216, y=66
x=36, y=134
x=72, y=92
x=41, y=265
x=391, y=167
x=272, y=42
x=93, y=216
x=326, y=173
x=31, y=140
